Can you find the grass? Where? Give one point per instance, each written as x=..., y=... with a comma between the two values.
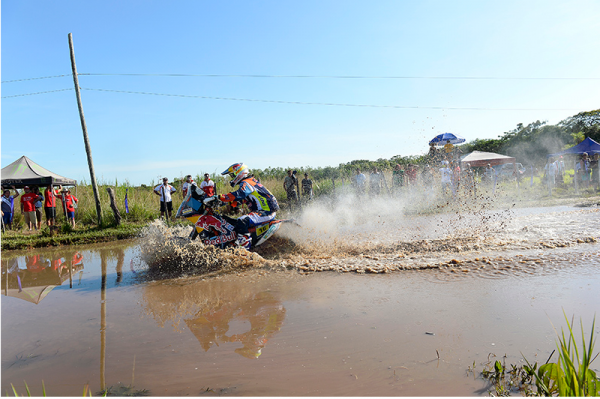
x=16, y=240
x=86, y=390
x=570, y=375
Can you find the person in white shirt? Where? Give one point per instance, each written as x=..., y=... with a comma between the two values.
x=164, y=191
x=446, y=175
x=186, y=185
x=208, y=186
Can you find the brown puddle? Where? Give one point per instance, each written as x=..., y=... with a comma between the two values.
x=388, y=317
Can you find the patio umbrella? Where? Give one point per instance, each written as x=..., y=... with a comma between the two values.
x=441, y=139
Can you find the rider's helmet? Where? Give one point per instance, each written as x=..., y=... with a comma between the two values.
x=237, y=172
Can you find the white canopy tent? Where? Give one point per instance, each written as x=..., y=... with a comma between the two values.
x=480, y=158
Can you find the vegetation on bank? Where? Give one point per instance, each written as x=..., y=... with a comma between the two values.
x=570, y=375
x=67, y=236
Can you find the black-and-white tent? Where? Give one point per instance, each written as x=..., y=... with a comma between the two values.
x=24, y=172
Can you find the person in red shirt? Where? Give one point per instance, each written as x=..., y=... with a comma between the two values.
x=28, y=207
x=70, y=203
x=208, y=186
x=50, y=196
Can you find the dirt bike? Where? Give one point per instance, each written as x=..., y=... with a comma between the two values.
x=213, y=228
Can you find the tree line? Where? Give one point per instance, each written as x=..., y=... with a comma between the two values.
x=530, y=144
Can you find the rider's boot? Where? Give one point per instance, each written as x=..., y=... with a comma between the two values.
x=244, y=241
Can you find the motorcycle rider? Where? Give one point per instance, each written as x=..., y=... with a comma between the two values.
x=262, y=204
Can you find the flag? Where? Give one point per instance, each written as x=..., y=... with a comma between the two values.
x=12, y=208
x=126, y=203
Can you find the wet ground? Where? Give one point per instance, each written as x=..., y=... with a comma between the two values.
x=345, y=306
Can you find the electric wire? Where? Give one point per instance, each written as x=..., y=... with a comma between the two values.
x=336, y=76
x=39, y=92
x=327, y=104
x=41, y=77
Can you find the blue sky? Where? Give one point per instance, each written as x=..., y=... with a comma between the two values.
x=523, y=45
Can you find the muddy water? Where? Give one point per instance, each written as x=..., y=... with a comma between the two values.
x=404, y=313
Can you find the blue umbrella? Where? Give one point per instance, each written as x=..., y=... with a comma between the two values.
x=441, y=139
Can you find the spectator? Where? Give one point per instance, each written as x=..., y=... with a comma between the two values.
x=397, y=177
x=164, y=191
x=70, y=202
x=360, y=180
x=469, y=179
x=8, y=207
x=375, y=182
x=550, y=172
x=433, y=153
x=411, y=174
x=294, y=172
x=184, y=188
x=455, y=166
x=594, y=166
x=50, y=204
x=28, y=208
x=448, y=148
x=582, y=170
x=427, y=176
x=446, y=178
x=208, y=186
x=38, y=206
x=289, y=185
x=307, y=187
x=489, y=173
x=560, y=170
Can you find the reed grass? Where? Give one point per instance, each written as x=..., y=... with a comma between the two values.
x=571, y=375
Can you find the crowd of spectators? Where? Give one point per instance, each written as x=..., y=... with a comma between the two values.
x=35, y=206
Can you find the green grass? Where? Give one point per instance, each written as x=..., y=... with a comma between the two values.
x=570, y=375
x=81, y=235
x=86, y=390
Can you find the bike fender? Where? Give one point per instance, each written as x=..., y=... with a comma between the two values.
x=272, y=229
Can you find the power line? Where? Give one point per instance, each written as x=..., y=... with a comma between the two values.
x=42, y=77
x=39, y=92
x=328, y=104
x=337, y=76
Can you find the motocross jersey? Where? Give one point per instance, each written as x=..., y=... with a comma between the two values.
x=259, y=199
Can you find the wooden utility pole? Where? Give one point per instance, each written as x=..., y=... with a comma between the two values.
x=86, y=141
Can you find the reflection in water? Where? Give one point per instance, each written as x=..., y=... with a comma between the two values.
x=103, y=265
x=40, y=276
x=214, y=311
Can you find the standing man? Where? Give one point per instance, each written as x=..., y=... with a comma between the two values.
x=39, y=202
x=164, y=191
x=361, y=180
x=289, y=185
x=70, y=204
x=28, y=208
x=186, y=185
x=50, y=204
x=375, y=182
x=208, y=186
x=489, y=173
x=446, y=176
x=397, y=178
x=448, y=148
x=307, y=184
x=8, y=207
